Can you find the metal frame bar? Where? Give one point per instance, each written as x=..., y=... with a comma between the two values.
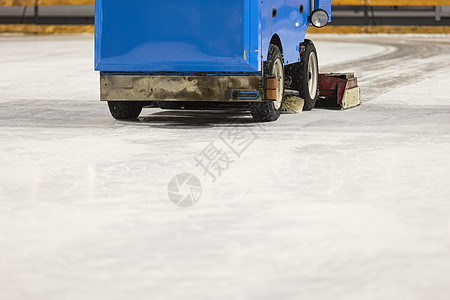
x=391, y=3
x=228, y=88
x=335, y=2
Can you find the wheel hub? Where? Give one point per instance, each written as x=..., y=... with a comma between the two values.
x=278, y=72
x=313, y=78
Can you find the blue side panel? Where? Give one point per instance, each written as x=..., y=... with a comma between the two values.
x=325, y=5
x=289, y=25
x=176, y=36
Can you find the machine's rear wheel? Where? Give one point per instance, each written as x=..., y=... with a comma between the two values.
x=309, y=75
x=123, y=110
x=270, y=111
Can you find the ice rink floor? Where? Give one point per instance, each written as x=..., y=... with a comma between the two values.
x=323, y=205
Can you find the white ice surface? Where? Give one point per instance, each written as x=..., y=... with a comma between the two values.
x=324, y=205
x=342, y=51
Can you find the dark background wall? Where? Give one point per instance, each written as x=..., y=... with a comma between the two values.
x=342, y=15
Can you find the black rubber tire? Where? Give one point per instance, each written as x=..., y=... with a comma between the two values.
x=124, y=110
x=304, y=75
x=266, y=111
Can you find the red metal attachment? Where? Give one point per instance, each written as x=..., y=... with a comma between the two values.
x=338, y=90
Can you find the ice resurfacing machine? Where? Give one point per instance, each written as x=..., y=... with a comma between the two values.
x=175, y=53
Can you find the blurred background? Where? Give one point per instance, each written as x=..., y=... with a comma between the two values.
x=349, y=16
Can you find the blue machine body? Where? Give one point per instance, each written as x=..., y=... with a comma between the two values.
x=211, y=36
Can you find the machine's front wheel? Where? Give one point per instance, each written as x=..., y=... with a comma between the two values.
x=270, y=111
x=309, y=75
x=124, y=110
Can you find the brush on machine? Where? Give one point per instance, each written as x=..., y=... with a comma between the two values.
x=292, y=103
